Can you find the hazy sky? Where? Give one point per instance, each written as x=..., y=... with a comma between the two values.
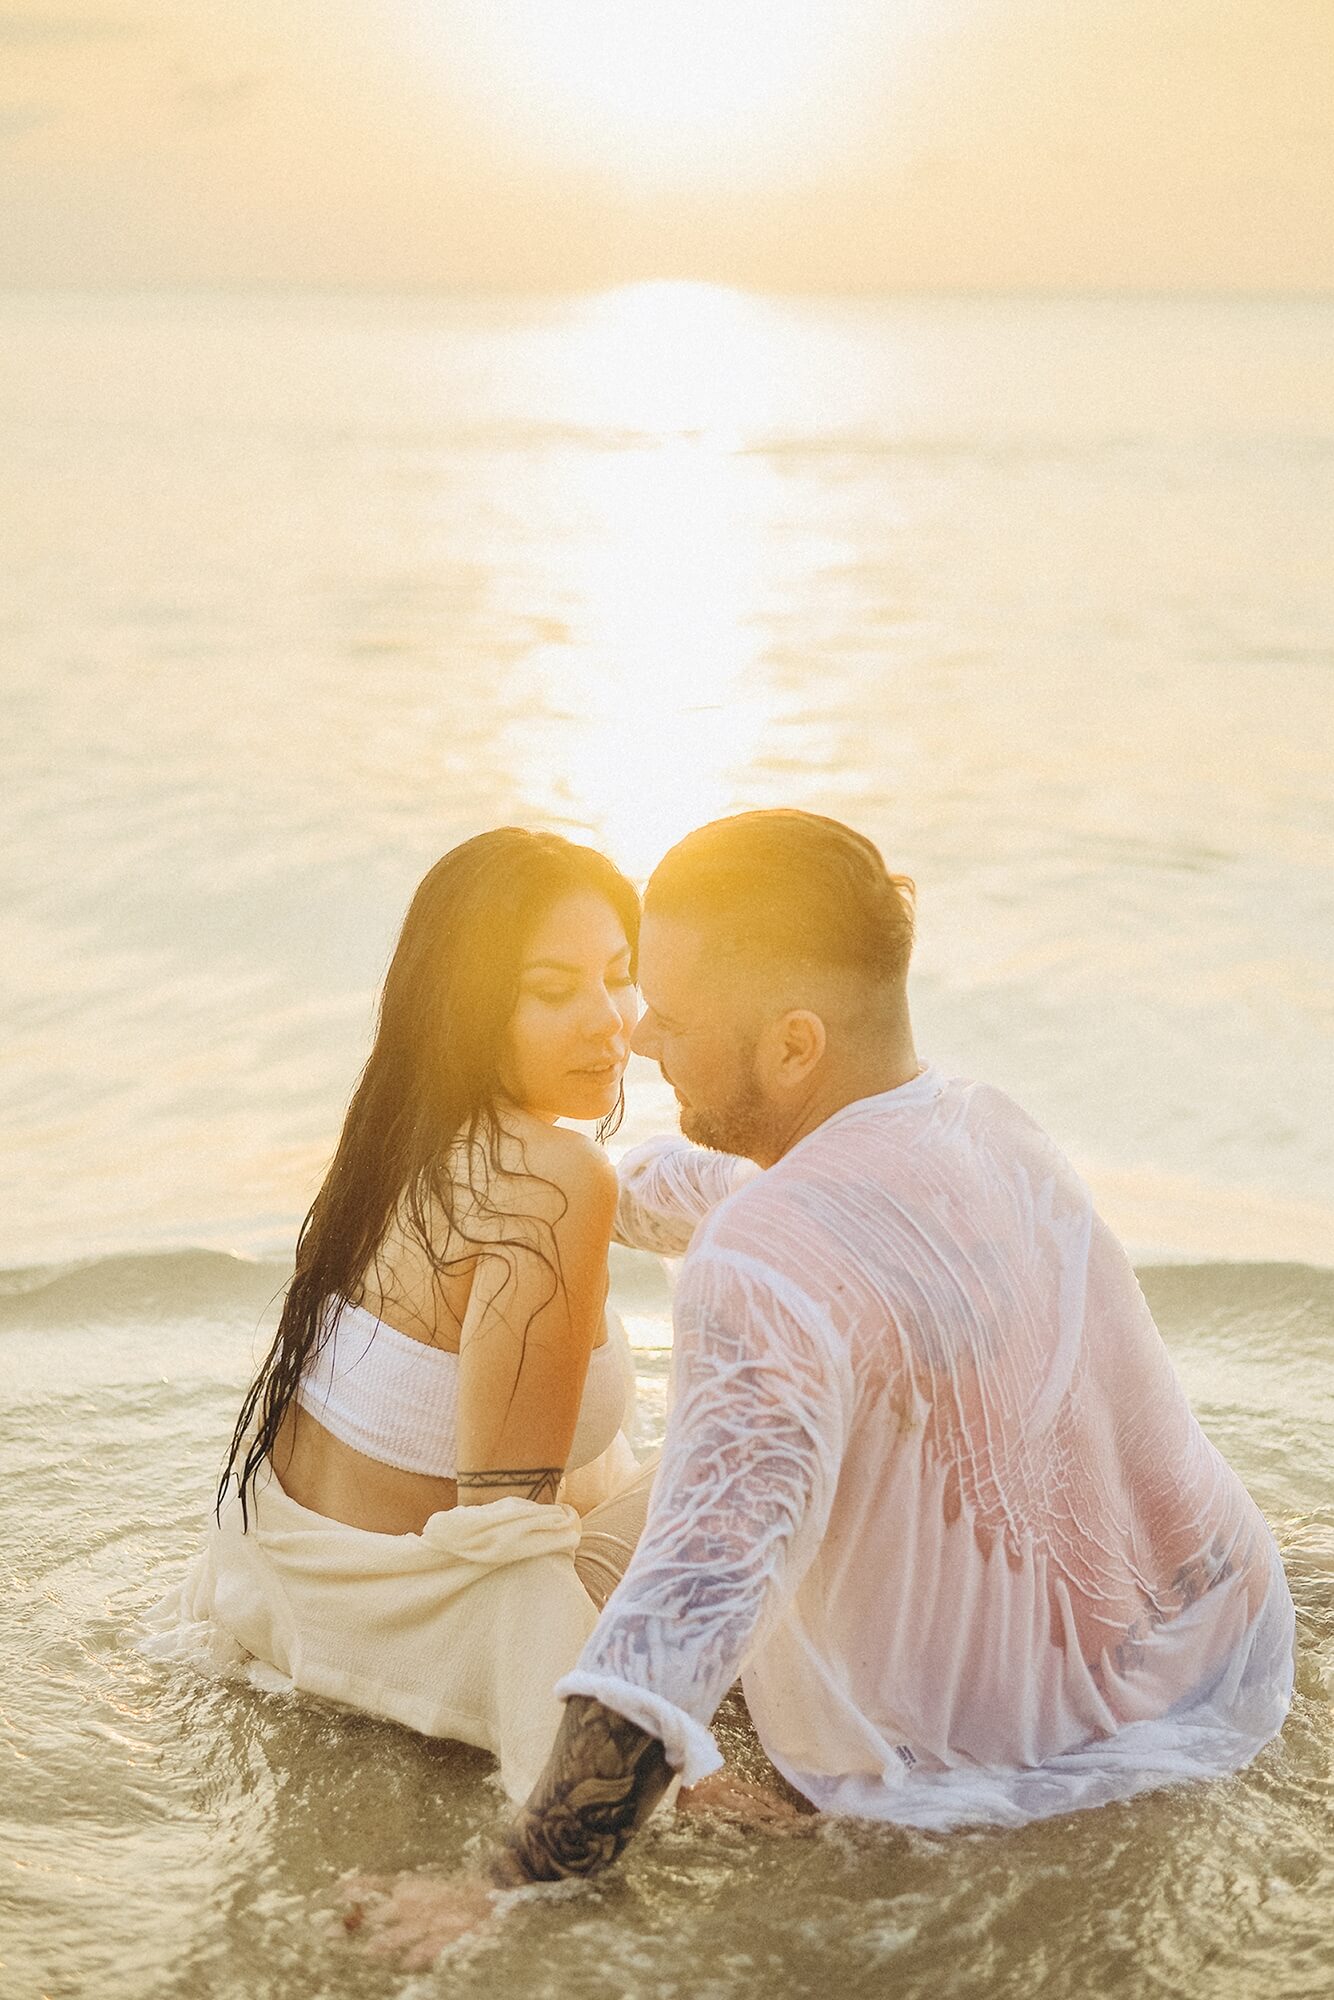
x=852, y=144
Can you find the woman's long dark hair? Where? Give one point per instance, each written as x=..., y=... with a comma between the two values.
x=432, y=1078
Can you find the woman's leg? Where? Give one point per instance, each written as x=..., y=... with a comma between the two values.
x=608, y=1535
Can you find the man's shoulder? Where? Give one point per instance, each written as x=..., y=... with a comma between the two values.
x=872, y=1159
x=951, y=1109
x=763, y=1232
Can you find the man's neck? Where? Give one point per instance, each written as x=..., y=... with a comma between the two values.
x=835, y=1093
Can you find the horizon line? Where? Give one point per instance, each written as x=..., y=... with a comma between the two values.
x=350, y=289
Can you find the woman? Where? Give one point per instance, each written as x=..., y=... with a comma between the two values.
x=417, y=1513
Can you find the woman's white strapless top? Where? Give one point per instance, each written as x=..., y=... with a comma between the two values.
x=396, y=1400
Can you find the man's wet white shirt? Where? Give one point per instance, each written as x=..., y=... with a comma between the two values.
x=931, y=1485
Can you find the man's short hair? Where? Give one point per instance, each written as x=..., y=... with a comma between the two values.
x=791, y=887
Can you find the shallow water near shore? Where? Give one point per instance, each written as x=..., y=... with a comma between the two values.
x=175, y=1834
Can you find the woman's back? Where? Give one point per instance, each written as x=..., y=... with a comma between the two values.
x=516, y=1206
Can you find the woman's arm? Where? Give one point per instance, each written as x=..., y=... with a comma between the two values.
x=532, y=1318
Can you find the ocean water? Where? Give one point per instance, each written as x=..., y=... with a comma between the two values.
x=296, y=593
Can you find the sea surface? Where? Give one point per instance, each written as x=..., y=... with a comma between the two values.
x=294, y=594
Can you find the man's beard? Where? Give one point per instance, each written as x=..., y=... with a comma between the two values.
x=741, y=1125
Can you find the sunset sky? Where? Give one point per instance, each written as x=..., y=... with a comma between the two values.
x=858, y=145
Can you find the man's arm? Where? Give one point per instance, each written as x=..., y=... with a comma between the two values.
x=602, y=1780
x=746, y=1481
x=667, y=1187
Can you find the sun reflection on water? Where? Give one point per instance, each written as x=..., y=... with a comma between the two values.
x=651, y=712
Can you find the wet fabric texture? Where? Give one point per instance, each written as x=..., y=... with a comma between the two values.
x=460, y=1631
x=931, y=1484
x=395, y=1399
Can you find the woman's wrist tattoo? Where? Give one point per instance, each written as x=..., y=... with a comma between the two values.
x=541, y=1482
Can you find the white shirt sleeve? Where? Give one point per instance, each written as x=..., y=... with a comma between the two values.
x=668, y=1186
x=742, y=1498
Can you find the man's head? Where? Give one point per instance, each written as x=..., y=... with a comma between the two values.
x=773, y=961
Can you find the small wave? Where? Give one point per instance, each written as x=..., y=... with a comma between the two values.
x=160, y=1285
x=1281, y=1310
x=174, y=1285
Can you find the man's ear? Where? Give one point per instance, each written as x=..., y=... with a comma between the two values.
x=794, y=1045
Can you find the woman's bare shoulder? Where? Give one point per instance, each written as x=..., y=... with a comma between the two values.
x=530, y=1169
x=572, y=1162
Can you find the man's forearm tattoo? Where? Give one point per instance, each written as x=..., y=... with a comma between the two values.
x=603, y=1778
x=540, y=1482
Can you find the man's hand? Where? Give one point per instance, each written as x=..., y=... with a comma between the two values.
x=603, y=1778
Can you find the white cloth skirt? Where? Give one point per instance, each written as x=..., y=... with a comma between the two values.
x=460, y=1631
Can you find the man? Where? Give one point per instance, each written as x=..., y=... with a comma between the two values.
x=929, y=1480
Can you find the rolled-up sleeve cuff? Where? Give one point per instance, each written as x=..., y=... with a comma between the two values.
x=691, y=1750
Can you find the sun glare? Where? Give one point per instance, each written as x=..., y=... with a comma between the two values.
x=668, y=93
x=653, y=714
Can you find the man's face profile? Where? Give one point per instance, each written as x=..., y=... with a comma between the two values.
x=701, y=1028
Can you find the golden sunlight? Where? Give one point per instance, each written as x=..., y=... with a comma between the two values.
x=672, y=94
x=655, y=710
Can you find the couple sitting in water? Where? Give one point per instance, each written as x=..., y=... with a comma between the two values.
x=929, y=1479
